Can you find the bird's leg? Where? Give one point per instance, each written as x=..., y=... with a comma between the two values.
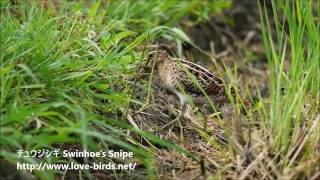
x=183, y=109
x=181, y=113
x=183, y=101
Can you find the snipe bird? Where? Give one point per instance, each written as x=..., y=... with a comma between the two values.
x=189, y=81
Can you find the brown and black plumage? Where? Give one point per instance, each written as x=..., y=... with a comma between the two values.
x=189, y=81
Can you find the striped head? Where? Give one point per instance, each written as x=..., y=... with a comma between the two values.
x=158, y=56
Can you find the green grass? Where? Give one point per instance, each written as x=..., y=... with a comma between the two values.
x=294, y=113
x=59, y=86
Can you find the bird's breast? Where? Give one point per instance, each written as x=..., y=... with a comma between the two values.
x=165, y=75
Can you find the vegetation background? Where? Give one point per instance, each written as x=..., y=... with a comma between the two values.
x=74, y=76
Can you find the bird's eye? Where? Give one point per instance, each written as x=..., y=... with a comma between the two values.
x=151, y=55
